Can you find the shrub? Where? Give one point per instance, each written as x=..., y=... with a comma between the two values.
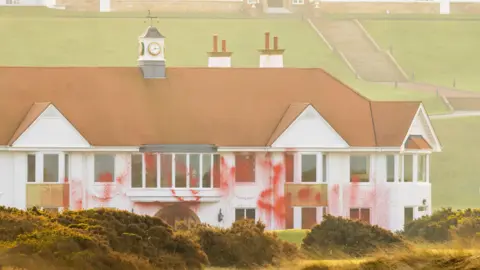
x=351, y=237
x=442, y=225
x=144, y=236
x=245, y=244
x=94, y=239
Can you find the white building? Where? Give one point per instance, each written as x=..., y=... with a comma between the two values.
x=214, y=144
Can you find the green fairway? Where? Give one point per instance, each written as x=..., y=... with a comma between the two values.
x=292, y=235
x=436, y=51
x=455, y=173
x=43, y=37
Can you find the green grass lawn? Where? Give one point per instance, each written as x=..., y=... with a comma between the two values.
x=435, y=51
x=292, y=236
x=455, y=174
x=43, y=37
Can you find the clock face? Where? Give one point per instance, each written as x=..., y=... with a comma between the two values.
x=141, y=48
x=154, y=48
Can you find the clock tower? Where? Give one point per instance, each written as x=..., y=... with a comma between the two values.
x=151, y=54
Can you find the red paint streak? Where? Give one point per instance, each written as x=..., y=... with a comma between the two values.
x=318, y=197
x=271, y=201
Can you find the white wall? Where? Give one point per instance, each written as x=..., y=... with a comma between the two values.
x=386, y=200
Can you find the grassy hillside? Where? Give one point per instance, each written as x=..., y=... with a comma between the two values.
x=437, y=51
x=44, y=37
x=455, y=172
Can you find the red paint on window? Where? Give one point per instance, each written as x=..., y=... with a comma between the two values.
x=245, y=164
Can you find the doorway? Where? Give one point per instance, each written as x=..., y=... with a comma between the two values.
x=408, y=215
x=176, y=212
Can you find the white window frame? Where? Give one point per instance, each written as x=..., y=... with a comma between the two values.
x=159, y=167
x=395, y=167
x=244, y=209
x=402, y=167
x=298, y=2
x=39, y=166
x=424, y=172
x=321, y=171
x=369, y=166
x=114, y=167
x=252, y=2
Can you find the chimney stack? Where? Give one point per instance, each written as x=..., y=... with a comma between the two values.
x=219, y=58
x=271, y=58
x=215, y=43
x=224, y=46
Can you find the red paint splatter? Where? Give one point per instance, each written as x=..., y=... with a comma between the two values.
x=271, y=201
x=304, y=194
x=318, y=197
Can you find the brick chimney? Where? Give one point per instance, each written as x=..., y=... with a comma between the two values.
x=219, y=58
x=271, y=57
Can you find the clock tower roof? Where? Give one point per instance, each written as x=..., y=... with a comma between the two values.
x=152, y=32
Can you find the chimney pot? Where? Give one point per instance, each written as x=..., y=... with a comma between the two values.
x=275, y=43
x=267, y=41
x=215, y=43
x=224, y=46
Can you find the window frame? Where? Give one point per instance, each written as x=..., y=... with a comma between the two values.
x=395, y=165
x=411, y=180
x=368, y=159
x=113, y=155
x=360, y=213
x=422, y=172
x=301, y=167
x=159, y=175
x=298, y=2
x=244, y=209
x=63, y=174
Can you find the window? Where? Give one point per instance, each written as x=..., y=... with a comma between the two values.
x=31, y=168
x=198, y=172
x=194, y=170
x=298, y=2
x=206, y=171
x=50, y=168
x=180, y=170
x=390, y=168
x=359, y=168
x=362, y=214
x=244, y=213
x=104, y=168
x=407, y=168
x=309, y=168
x=216, y=171
x=289, y=165
x=324, y=168
x=67, y=170
x=422, y=168
x=166, y=170
x=245, y=168
x=150, y=170
x=137, y=171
